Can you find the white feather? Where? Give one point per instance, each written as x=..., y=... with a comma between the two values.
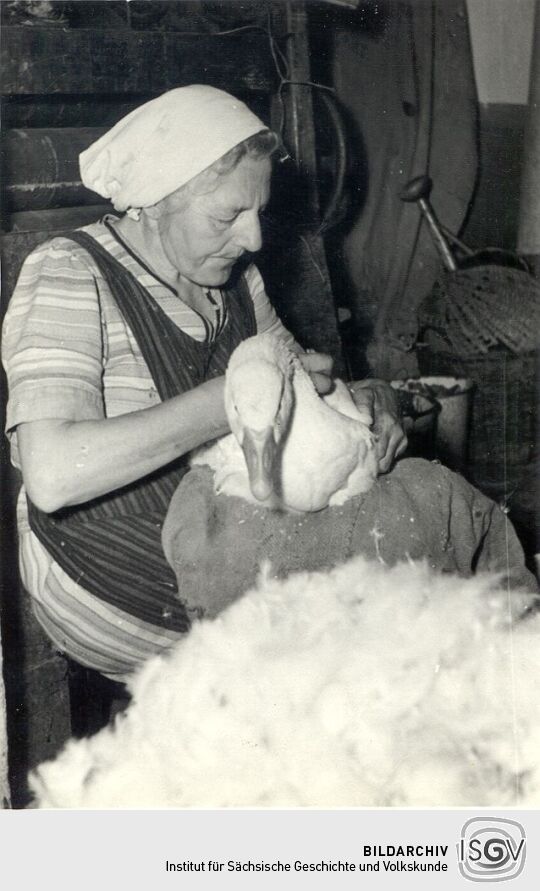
x=361, y=687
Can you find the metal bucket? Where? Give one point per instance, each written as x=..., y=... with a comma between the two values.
x=453, y=396
x=419, y=418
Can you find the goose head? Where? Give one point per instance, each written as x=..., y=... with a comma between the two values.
x=259, y=402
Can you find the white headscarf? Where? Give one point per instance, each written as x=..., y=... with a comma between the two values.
x=164, y=143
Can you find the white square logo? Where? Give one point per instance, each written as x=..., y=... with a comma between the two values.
x=491, y=849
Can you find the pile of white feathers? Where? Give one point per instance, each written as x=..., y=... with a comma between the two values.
x=365, y=686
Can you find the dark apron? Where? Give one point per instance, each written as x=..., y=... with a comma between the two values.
x=111, y=546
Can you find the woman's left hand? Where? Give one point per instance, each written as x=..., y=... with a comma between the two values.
x=381, y=399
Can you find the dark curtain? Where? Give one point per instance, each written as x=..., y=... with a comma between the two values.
x=403, y=72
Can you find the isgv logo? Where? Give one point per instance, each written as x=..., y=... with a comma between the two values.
x=491, y=849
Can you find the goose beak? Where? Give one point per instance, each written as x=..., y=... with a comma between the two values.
x=259, y=447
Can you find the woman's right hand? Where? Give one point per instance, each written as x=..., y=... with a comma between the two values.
x=66, y=462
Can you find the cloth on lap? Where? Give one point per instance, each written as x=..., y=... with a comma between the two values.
x=216, y=543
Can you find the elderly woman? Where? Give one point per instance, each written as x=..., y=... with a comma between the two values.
x=115, y=346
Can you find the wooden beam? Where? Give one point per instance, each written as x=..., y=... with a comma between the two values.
x=41, y=167
x=59, y=110
x=60, y=219
x=300, y=127
x=37, y=61
x=294, y=266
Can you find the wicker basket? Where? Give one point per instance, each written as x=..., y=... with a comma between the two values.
x=505, y=412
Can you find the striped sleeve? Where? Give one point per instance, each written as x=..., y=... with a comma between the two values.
x=52, y=339
x=265, y=315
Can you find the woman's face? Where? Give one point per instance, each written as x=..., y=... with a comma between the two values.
x=203, y=235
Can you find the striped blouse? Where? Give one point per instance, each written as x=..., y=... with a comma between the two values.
x=69, y=355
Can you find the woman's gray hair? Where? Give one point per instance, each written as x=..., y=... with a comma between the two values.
x=260, y=145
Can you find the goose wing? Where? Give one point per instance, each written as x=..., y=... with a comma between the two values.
x=329, y=455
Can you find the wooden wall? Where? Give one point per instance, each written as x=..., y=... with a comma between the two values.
x=494, y=214
x=502, y=37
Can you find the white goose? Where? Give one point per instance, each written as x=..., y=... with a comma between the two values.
x=289, y=447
